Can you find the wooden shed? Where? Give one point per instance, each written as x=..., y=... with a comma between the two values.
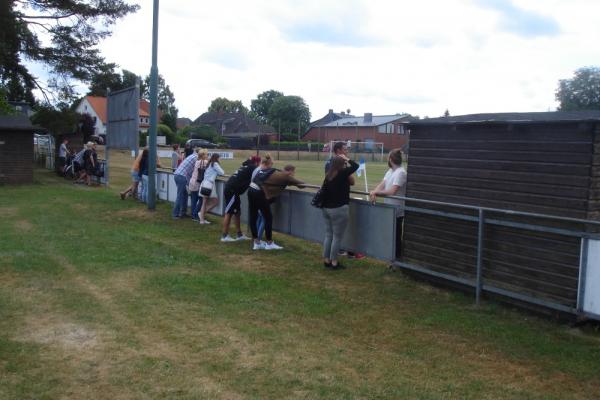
x=546, y=163
x=16, y=150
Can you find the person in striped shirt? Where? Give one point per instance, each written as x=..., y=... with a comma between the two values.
x=182, y=176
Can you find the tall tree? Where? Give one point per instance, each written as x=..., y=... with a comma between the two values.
x=224, y=105
x=62, y=35
x=582, y=92
x=108, y=78
x=166, y=98
x=291, y=111
x=259, y=107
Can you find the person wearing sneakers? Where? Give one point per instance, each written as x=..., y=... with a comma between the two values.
x=208, y=191
x=195, y=180
x=336, y=197
x=236, y=185
x=341, y=148
x=266, y=186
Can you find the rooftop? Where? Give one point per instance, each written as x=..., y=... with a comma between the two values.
x=529, y=117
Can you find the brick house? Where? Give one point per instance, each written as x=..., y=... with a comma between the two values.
x=16, y=149
x=96, y=107
x=388, y=129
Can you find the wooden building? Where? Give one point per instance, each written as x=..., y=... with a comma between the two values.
x=16, y=150
x=546, y=163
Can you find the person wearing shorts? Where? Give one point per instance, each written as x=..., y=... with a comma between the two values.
x=236, y=185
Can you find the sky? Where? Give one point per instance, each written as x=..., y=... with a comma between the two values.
x=378, y=56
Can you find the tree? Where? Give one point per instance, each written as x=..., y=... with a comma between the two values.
x=62, y=35
x=224, y=105
x=291, y=111
x=582, y=92
x=446, y=113
x=59, y=120
x=206, y=132
x=108, y=78
x=5, y=108
x=259, y=107
x=166, y=98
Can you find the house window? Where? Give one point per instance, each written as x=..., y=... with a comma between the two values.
x=401, y=130
x=381, y=129
x=389, y=128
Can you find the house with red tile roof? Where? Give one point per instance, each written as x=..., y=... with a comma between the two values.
x=96, y=107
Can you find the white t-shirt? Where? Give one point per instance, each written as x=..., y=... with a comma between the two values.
x=62, y=151
x=396, y=177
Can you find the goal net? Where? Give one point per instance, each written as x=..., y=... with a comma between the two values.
x=370, y=151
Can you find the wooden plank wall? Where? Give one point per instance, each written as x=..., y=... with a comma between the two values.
x=542, y=168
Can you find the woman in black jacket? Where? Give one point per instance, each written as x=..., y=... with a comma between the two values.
x=336, y=191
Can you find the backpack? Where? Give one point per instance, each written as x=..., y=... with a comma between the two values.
x=262, y=176
x=201, y=171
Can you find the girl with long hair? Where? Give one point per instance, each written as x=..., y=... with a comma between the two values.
x=393, y=183
x=267, y=185
x=336, y=197
x=208, y=191
x=195, y=180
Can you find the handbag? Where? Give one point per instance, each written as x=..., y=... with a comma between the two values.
x=318, y=199
x=206, y=188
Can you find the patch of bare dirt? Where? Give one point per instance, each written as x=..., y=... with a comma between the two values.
x=139, y=213
x=47, y=330
x=23, y=225
x=8, y=211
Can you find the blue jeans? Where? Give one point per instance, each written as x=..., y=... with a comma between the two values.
x=260, y=225
x=180, y=207
x=196, y=204
x=144, y=195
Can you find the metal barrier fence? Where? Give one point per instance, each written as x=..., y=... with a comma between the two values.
x=372, y=231
x=43, y=151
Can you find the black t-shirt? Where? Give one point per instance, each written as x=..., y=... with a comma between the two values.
x=239, y=181
x=337, y=190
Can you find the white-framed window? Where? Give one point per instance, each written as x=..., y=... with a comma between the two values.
x=401, y=130
x=381, y=129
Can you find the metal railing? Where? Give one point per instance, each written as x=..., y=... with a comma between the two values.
x=372, y=231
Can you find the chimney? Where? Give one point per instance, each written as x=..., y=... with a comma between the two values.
x=330, y=111
x=368, y=118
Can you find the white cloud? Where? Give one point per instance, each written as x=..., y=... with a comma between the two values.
x=380, y=56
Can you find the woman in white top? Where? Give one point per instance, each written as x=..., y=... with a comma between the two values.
x=393, y=183
x=195, y=180
x=210, y=175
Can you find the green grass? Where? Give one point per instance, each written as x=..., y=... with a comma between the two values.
x=103, y=299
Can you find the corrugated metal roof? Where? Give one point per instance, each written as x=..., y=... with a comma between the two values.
x=553, y=116
x=360, y=121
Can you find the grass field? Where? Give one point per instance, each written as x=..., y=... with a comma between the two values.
x=101, y=299
x=310, y=171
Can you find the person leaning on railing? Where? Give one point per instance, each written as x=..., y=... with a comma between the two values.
x=336, y=197
x=393, y=183
x=266, y=186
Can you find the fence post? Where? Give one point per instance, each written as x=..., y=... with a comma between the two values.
x=583, y=259
x=479, y=282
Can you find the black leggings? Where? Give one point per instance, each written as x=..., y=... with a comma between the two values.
x=258, y=202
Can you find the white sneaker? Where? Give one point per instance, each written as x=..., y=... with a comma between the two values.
x=227, y=239
x=272, y=246
x=258, y=246
x=242, y=237
x=204, y=222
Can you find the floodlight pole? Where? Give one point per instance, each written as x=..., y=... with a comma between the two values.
x=153, y=112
